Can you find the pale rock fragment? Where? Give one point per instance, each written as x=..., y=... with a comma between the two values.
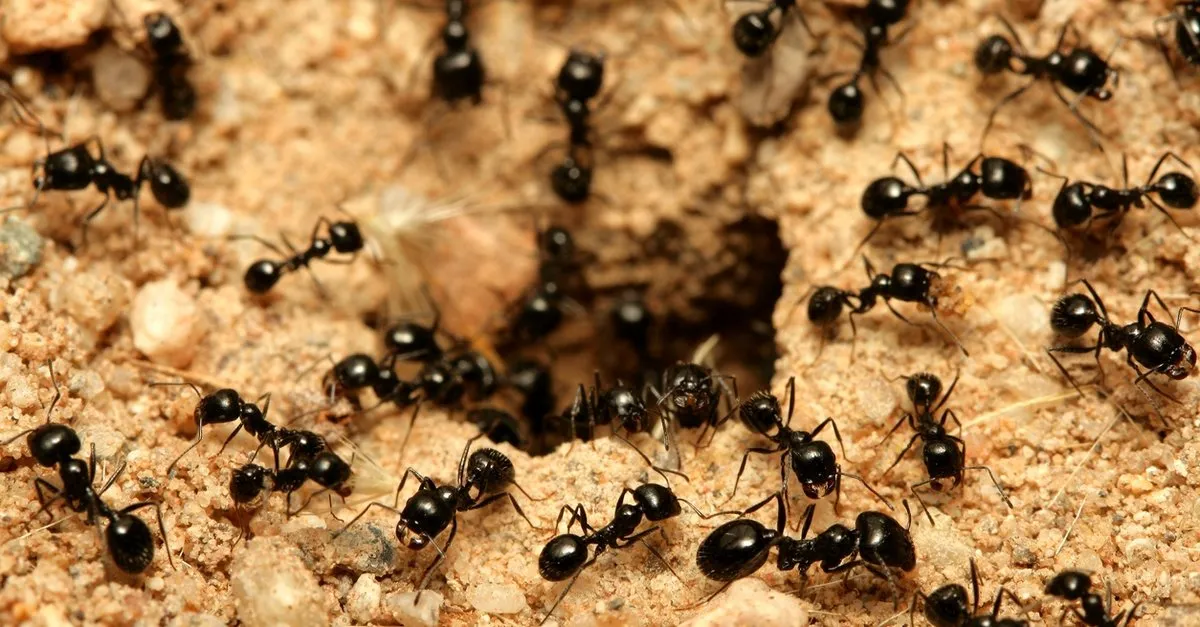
x=497, y=598
x=362, y=603
x=751, y=602
x=166, y=324
x=273, y=587
x=33, y=25
x=423, y=613
x=121, y=79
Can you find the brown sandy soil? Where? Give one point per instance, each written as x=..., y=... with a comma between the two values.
x=309, y=103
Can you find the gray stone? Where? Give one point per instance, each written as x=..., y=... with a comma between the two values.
x=20, y=248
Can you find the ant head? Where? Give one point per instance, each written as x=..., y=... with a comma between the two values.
x=947, y=606
x=557, y=244
x=262, y=275
x=627, y=407
x=425, y=515
x=247, y=483
x=884, y=197
x=825, y=305
x=943, y=458
x=582, y=75
x=1073, y=315
x=52, y=443
x=1177, y=190
x=846, y=104
x=489, y=470
x=162, y=34
x=761, y=412
x=356, y=371
x=734, y=550
x=129, y=543
x=1070, y=585
x=1187, y=355
x=455, y=35
x=923, y=389
x=753, y=33
x=1001, y=179
x=994, y=55
x=411, y=341
x=328, y=470
x=168, y=186
x=562, y=557
x=1072, y=206
x=886, y=12
x=814, y=463
x=224, y=405
x=346, y=237
x=632, y=319
x=571, y=181
x=657, y=502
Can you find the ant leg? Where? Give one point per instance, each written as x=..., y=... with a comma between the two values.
x=865, y=485
x=902, y=453
x=661, y=471
x=1012, y=31
x=408, y=471
x=194, y=444
x=938, y=321
x=161, y=527
x=441, y=556
x=567, y=589
x=900, y=156
x=1003, y=102
x=230, y=438
x=702, y=602
x=261, y=240
x=1003, y=494
x=895, y=428
x=913, y=488
x=38, y=485
x=701, y=514
x=91, y=215
x=511, y=499
x=361, y=514
x=1073, y=106
x=1174, y=222
x=742, y=468
x=780, y=519
x=655, y=551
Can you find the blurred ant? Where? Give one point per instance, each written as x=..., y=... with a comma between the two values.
x=409, y=341
x=1079, y=203
x=535, y=384
x=541, y=310
x=1079, y=69
x=947, y=606
x=481, y=480
x=344, y=237
x=458, y=72
x=998, y=179
x=740, y=547
x=1186, y=16
x=1076, y=586
x=813, y=461
x=1156, y=346
x=566, y=555
x=846, y=100
x=944, y=455
x=170, y=66
x=755, y=32
x=578, y=83
x=908, y=282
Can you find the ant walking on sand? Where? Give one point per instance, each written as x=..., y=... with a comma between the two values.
x=944, y=455
x=344, y=238
x=224, y=406
x=846, y=100
x=170, y=66
x=325, y=468
x=566, y=556
x=947, y=606
x=740, y=547
x=1186, y=17
x=49, y=443
x=1073, y=585
x=481, y=481
x=813, y=461
x=1155, y=346
x=1080, y=69
x=1079, y=203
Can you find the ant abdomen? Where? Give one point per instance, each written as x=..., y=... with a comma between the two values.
x=734, y=550
x=129, y=543
x=1072, y=315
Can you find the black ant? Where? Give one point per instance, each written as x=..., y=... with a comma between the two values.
x=1156, y=346
x=998, y=179
x=692, y=393
x=344, y=237
x=740, y=547
x=170, y=65
x=947, y=606
x=944, y=455
x=50, y=443
x=541, y=310
x=359, y=371
x=426, y=514
x=907, y=282
x=534, y=382
x=846, y=100
x=579, y=81
x=1079, y=69
x=325, y=468
x=755, y=32
x=226, y=405
x=1076, y=586
x=1186, y=16
x=458, y=72
x=1078, y=203
x=566, y=555
x=813, y=461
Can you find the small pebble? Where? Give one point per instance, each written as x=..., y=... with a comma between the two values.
x=362, y=603
x=20, y=248
x=94, y=299
x=166, y=324
x=273, y=587
x=33, y=25
x=425, y=612
x=751, y=602
x=497, y=598
x=120, y=79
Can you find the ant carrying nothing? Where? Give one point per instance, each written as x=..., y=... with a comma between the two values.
x=846, y=100
x=49, y=443
x=344, y=237
x=692, y=394
x=325, y=468
x=170, y=66
x=755, y=32
x=1076, y=586
x=226, y=405
x=944, y=455
x=1186, y=17
x=1079, y=69
x=1079, y=203
x=813, y=461
x=566, y=556
x=1156, y=346
x=481, y=480
x=540, y=311
x=908, y=282
x=947, y=606
x=740, y=547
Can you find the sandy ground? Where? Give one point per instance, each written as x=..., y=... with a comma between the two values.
x=318, y=103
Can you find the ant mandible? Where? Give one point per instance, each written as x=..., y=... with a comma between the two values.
x=1078, y=203
x=1079, y=69
x=846, y=100
x=1156, y=346
x=947, y=606
x=1073, y=585
x=1186, y=16
x=740, y=547
x=813, y=461
x=566, y=556
x=170, y=65
x=481, y=480
x=944, y=455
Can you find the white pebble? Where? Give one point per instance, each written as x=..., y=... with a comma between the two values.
x=208, y=219
x=272, y=586
x=166, y=324
x=1139, y=550
x=425, y=612
x=362, y=603
x=497, y=598
x=120, y=79
x=20, y=393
